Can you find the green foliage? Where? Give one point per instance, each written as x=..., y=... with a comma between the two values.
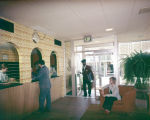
x=137, y=69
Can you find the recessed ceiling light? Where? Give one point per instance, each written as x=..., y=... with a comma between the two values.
x=109, y=29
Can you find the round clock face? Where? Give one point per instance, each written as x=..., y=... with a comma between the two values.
x=35, y=37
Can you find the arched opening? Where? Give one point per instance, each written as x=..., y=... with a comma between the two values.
x=9, y=60
x=53, y=65
x=35, y=57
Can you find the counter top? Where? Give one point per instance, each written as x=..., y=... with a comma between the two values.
x=8, y=85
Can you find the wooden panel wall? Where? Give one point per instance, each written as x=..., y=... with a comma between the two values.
x=17, y=102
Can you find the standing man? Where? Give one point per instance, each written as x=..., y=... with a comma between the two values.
x=87, y=77
x=45, y=85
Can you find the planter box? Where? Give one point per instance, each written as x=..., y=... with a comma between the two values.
x=142, y=99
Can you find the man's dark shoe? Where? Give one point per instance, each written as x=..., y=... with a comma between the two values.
x=48, y=110
x=89, y=95
x=40, y=111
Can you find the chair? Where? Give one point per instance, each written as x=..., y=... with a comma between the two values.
x=127, y=103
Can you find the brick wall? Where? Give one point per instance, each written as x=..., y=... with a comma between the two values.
x=22, y=40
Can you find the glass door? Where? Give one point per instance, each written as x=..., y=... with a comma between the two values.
x=102, y=67
x=101, y=60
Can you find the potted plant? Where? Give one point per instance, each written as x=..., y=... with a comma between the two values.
x=137, y=72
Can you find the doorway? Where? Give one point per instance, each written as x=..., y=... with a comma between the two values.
x=101, y=60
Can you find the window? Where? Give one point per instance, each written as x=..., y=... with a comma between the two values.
x=128, y=48
x=53, y=65
x=35, y=57
x=9, y=63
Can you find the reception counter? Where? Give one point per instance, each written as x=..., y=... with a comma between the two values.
x=8, y=85
x=18, y=101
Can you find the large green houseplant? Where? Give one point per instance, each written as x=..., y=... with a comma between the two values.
x=137, y=69
x=137, y=72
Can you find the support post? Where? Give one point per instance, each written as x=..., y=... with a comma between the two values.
x=73, y=69
x=116, y=62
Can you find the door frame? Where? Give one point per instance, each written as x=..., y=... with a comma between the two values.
x=115, y=52
x=104, y=52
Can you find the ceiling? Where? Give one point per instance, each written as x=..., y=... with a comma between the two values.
x=73, y=19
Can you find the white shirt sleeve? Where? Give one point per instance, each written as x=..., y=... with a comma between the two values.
x=3, y=77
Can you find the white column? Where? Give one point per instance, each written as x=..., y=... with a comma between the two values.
x=116, y=61
x=65, y=69
x=73, y=69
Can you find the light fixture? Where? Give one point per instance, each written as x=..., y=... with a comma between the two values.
x=109, y=29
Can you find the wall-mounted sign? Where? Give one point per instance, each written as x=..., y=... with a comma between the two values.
x=57, y=42
x=6, y=25
x=87, y=38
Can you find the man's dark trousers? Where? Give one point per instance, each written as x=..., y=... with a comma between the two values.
x=86, y=82
x=44, y=94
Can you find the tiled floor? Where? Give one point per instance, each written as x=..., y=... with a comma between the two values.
x=67, y=108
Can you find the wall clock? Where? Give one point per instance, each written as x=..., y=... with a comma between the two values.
x=35, y=37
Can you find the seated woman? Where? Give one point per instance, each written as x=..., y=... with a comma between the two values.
x=3, y=76
x=112, y=96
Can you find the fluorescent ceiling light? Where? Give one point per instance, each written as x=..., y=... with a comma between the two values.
x=109, y=29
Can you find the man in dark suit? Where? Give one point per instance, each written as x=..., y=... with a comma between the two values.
x=87, y=77
x=45, y=85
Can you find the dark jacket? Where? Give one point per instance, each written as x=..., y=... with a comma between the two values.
x=44, y=77
x=87, y=72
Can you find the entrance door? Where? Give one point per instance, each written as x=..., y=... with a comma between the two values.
x=103, y=68
x=102, y=63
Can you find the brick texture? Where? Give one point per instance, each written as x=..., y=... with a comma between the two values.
x=22, y=41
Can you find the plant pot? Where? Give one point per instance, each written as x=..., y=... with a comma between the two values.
x=142, y=99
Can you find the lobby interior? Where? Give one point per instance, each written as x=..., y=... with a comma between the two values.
x=62, y=33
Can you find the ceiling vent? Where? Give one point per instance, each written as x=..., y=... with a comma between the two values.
x=144, y=10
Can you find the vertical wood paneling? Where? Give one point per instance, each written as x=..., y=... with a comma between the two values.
x=21, y=100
